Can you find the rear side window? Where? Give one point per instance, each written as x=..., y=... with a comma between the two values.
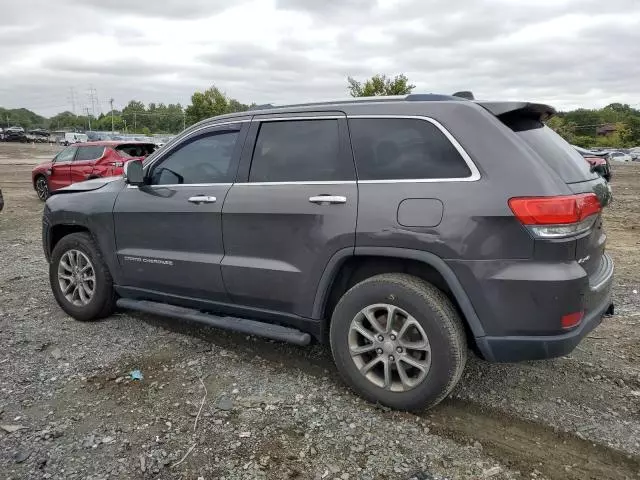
x=403, y=148
x=299, y=151
x=552, y=148
x=89, y=153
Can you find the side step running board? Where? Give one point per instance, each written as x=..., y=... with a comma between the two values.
x=252, y=327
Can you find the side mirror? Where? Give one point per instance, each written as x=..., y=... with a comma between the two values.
x=133, y=173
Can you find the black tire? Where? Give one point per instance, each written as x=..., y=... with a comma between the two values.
x=103, y=301
x=42, y=187
x=435, y=313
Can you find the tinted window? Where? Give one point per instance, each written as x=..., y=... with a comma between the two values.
x=203, y=159
x=66, y=155
x=89, y=153
x=403, y=148
x=551, y=147
x=298, y=151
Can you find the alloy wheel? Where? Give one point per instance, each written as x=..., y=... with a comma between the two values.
x=389, y=347
x=77, y=278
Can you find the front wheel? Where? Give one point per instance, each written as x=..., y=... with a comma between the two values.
x=80, y=280
x=42, y=188
x=398, y=341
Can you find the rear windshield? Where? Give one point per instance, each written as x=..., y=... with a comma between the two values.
x=552, y=148
x=135, y=150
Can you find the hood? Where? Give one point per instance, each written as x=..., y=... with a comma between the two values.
x=88, y=186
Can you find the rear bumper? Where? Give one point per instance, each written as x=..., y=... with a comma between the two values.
x=520, y=348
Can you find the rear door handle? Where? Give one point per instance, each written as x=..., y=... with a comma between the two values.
x=328, y=199
x=202, y=199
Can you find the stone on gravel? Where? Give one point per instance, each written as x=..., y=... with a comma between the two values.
x=56, y=353
x=225, y=403
x=11, y=428
x=21, y=456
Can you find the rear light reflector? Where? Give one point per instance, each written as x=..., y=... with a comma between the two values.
x=556, y=217
x=571, y=320
x=117, y=164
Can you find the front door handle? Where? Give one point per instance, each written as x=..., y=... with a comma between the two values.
x=328, y=199
x=198, y=199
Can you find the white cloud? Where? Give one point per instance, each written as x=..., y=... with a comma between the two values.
x=565, y=52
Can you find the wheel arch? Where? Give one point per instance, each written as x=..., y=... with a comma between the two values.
x=345, y=264
x=59, y=231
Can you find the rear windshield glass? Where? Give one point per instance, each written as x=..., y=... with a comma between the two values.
x=135, y=150
x=552, y=148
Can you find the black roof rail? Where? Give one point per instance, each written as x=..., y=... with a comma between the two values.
x=429, y=97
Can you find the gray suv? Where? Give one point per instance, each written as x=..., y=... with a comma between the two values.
x=401, y=230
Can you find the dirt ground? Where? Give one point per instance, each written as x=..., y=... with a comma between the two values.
x=215, y=404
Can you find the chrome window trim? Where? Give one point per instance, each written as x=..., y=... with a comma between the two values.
x=190, y=185
x=329, y=182
x=284, y=119
x=475, y=173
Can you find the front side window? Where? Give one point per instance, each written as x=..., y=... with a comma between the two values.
x=66, y=155
x=89, y=153
x=404, y=148
x=299, y=151
x=205, y=158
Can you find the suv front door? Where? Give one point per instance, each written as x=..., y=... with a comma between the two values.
x=60, y=175
x=168, y=231
x=293, y=208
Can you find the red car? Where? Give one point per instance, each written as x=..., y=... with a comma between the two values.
x=85, y=161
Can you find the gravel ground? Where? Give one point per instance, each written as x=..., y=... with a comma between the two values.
x=214, y=404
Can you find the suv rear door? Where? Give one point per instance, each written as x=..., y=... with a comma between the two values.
x=293, y=208
x=83, y=163
x=169, y=231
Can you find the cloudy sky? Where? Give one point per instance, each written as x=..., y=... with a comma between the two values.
x=568, y=53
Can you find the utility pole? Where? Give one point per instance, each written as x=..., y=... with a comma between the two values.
x=111, y=102
x=89, y=118
x=134, y=122
x=72, y=99
x=92, y=98
x=184, y=120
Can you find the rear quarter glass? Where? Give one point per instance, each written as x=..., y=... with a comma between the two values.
x=552, y=148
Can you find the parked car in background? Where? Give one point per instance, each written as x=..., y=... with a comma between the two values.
x=635, y=154
x=620, y=157
x=597, y=160
x=78, y=163
x=15, y=134
x=72, y=137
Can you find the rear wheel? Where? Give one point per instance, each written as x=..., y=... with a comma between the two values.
x=397, y=340
x=42, y=187
x=80, y=280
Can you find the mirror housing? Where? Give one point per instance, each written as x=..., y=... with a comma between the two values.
x=133, y=173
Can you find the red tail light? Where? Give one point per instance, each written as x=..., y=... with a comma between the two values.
x=552, y=217
x=555, y=210
x=571, y=320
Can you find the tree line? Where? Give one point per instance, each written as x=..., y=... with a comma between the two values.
x=616, y=125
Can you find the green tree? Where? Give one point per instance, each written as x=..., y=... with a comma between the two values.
x=564, y=128
x=210, y=103
x=380, y=85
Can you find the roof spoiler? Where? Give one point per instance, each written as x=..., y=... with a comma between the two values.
x=537, y=110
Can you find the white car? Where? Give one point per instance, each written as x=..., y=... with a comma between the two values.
x=620, y=157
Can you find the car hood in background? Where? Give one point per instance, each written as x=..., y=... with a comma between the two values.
x=87, y=186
